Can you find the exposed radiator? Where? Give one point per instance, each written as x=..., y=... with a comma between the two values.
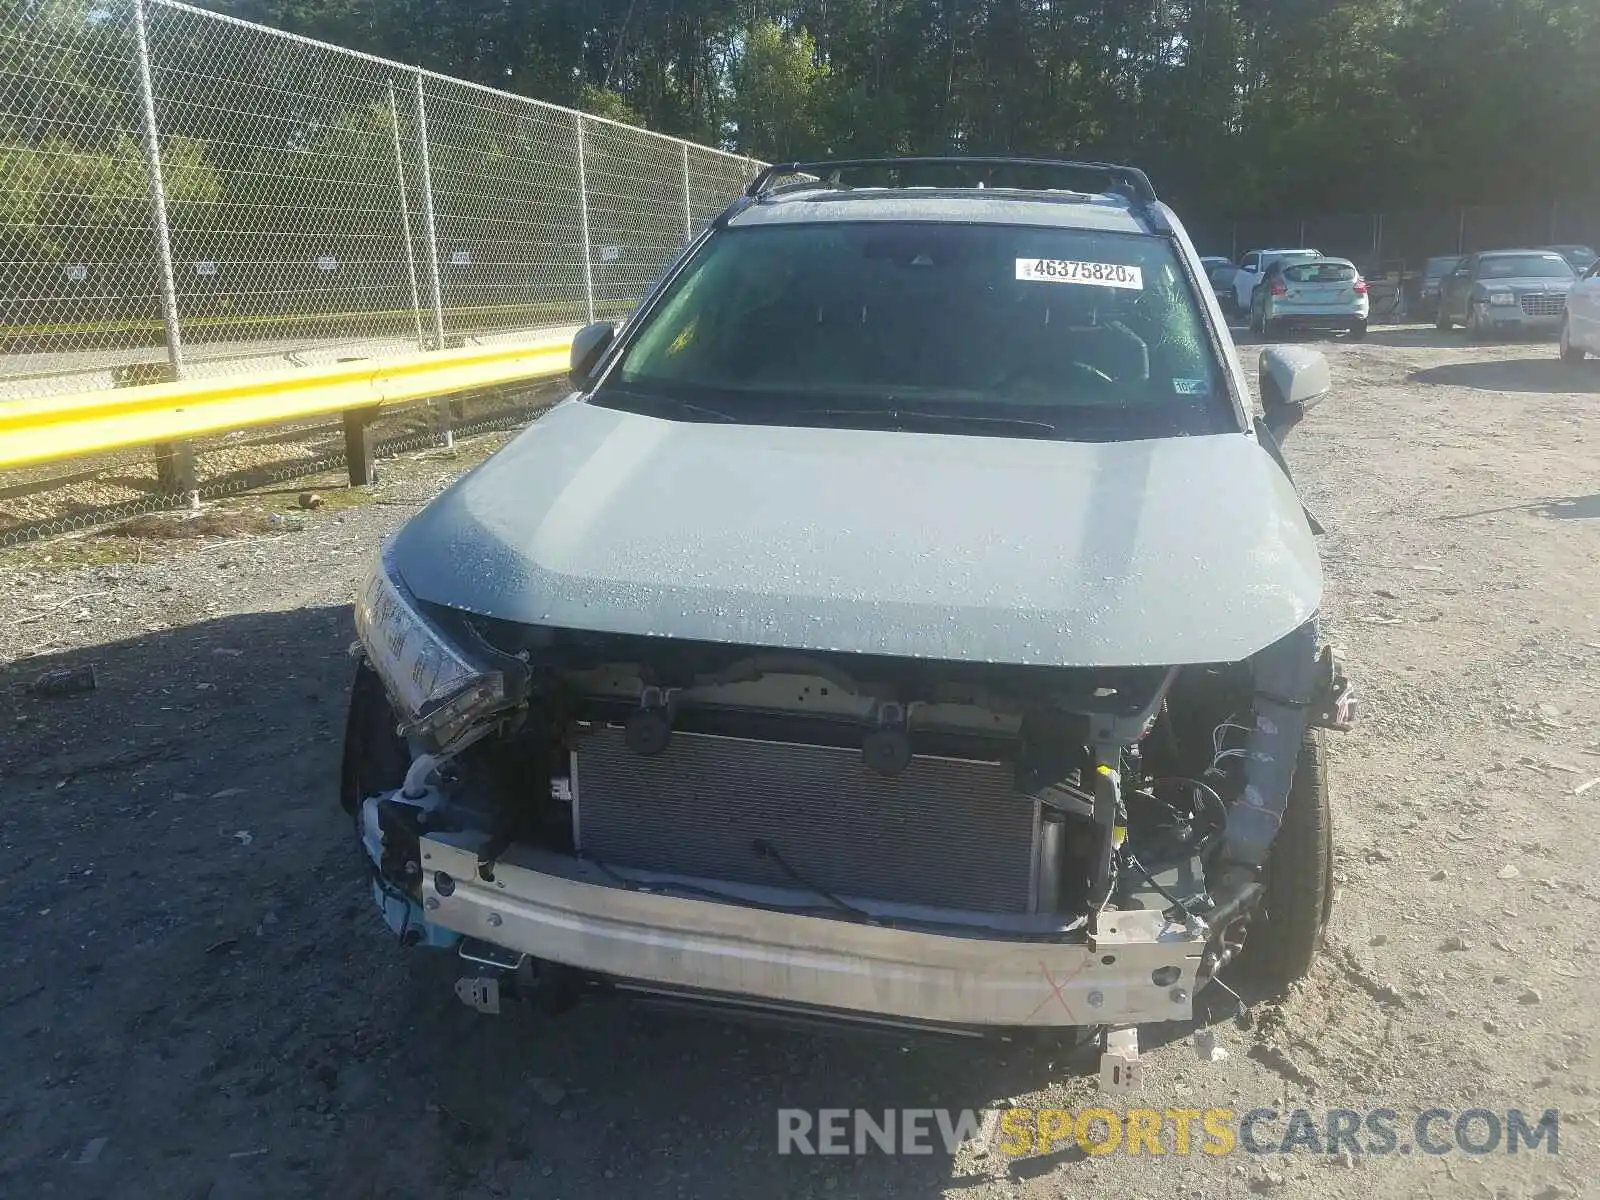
x=945, y=832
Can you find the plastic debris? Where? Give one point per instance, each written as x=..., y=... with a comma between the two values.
x=1206, y=1048
x=66, y=682
x=548, y=1091
x=90, y=1154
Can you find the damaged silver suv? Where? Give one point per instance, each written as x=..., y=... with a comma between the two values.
x=903, y=621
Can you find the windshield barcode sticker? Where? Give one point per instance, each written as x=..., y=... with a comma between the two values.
x=1064, y=270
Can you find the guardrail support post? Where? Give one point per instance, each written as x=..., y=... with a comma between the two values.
x=358, y=449
x=583, y=220
x=175, y=468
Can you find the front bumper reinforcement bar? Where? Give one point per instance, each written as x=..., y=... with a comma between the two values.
x=1137, y=967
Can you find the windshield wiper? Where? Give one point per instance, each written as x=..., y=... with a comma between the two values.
x=898, y=417
x=648, y=406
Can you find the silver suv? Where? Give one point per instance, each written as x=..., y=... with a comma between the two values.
x=904, y=620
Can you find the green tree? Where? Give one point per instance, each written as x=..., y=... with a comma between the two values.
x=779, y=93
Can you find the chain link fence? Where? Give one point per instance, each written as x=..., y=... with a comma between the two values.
x=185, y=194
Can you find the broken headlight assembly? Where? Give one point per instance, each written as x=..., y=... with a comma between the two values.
x=436, y=687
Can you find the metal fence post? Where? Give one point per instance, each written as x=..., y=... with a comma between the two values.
x=430, y=232
x=158, y=193
x=405, y=215
x=583, y=217
x=440, y=408
x=688, y=206
x=1461, y=231
x=174, y=460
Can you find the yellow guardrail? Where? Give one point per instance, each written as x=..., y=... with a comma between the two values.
x=58, y=427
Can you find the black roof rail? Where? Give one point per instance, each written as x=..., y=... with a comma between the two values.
x=1132, y=179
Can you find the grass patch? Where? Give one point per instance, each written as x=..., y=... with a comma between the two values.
x=65, y=553
x=213, y=522
x=329, y=497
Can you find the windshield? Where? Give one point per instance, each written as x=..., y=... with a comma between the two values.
x=1524, y=266
x=1072, y=333
x=1321, y=272
x=1578, y=256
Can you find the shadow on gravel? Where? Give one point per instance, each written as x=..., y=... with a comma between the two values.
x=1564, y=508
x=1244, y=338
x=1415, y=336
x=1515, y=375
x=200, y=1001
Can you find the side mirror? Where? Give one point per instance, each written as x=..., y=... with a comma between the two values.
x=588, y=344
x=1293, y=381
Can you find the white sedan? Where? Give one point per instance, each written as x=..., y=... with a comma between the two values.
x=1319, y=293
x=1580, y=326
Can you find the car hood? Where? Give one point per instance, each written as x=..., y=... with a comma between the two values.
x=1518, y=283
x=985, y=549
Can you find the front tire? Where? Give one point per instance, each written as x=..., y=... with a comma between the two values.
x=1285, y=932
x=1441, y=319
x=1569, y=352
x=376, y=758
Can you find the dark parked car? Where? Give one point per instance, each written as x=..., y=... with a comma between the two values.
x=1506, y=291
x=1434, y=273
x=1220, y=273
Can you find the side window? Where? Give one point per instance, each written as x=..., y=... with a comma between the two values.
x=1593, y=271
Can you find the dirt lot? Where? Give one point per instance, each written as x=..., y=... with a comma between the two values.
x=198, y=1000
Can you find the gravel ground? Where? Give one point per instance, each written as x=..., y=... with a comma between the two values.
x=199, y=1002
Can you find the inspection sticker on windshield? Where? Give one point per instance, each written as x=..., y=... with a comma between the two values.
x=1064, y=270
